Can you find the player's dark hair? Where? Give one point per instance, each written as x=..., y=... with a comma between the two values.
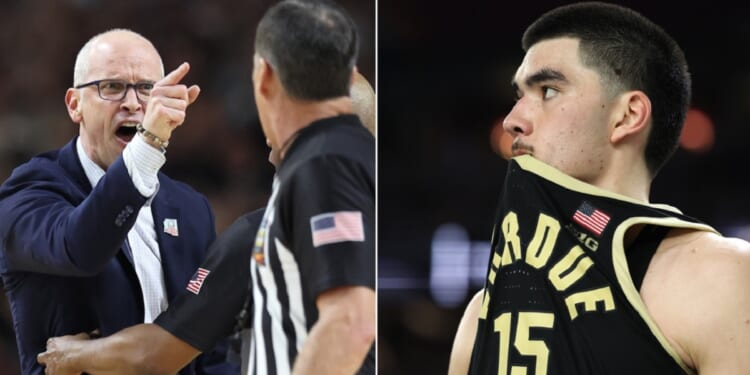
x=312, y=45
x=630, y=53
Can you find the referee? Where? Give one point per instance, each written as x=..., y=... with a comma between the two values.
x=318, y=314
x=313, y=267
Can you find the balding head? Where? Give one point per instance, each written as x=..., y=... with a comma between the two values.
x=120, y=55
x=363, y=101
x=104, y=43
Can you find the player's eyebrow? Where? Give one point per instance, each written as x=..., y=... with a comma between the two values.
x=543, y=75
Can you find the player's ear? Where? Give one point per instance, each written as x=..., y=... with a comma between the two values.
x=631, y=116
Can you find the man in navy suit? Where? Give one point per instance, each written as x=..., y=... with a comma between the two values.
x=192, y=322
x=93, y=235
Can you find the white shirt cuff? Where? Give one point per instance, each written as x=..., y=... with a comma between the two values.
x=143, y=162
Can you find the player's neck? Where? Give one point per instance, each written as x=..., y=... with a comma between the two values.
x=626, y=178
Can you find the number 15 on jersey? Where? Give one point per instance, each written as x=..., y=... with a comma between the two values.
x=522, y=341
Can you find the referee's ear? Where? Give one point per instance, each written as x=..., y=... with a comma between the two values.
x=266, y=80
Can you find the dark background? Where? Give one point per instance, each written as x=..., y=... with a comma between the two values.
x=444, y=72
x=220, y=149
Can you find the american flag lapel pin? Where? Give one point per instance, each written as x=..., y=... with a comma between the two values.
x=170, y=227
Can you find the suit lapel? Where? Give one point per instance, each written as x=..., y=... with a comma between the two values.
x=167, y=225
x=69, y=161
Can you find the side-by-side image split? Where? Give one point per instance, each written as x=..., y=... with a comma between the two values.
x=342, y=187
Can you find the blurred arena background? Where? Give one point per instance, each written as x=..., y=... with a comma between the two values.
x=444, y=74
x=220, y=150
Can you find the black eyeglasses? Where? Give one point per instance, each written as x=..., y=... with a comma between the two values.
x=116, y=89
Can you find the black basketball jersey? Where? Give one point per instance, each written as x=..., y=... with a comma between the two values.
x=205, y=311
x=317, y=234
x=560, y=296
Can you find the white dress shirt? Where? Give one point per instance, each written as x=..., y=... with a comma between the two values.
x=143, y=163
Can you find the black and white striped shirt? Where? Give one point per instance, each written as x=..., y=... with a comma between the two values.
x=317, y=233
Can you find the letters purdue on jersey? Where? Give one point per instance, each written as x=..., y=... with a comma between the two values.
x=562, y=274
x=559, y=296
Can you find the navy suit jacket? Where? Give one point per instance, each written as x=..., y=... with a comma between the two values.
x=63, y=257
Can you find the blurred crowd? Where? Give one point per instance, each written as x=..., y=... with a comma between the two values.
x=220, y=150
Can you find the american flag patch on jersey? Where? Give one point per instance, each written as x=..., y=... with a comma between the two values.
x=196, y=282
x=591, y=218
x=334, y=227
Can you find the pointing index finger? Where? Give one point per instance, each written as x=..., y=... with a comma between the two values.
x=174, y=77
x=42, y=358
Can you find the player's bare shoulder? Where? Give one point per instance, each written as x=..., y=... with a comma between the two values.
x=694, y=290
x=701, y=253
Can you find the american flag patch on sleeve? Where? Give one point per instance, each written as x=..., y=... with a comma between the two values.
x=334, y=227
x=196, y=282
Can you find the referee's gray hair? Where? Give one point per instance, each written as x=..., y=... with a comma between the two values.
x=82, y=60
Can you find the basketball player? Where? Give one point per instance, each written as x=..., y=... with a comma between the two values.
x=585, y=275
